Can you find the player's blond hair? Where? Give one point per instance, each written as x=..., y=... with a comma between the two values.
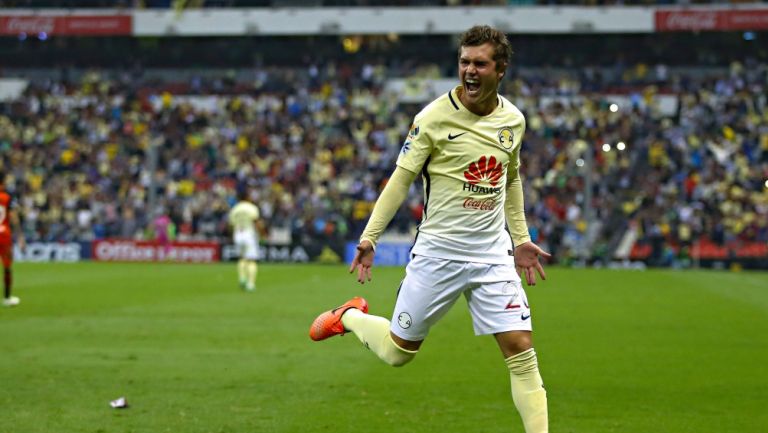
x=478, y=35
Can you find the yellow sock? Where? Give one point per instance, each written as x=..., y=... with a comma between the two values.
x=251, y=270
x=528, y=391
x=373, y=332
x=241, y=265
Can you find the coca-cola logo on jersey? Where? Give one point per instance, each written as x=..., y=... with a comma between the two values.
x=30, y=25
x=480, y=204
x=691, y=20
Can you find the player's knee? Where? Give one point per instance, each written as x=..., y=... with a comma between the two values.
x=396, y=356
x=515, y=342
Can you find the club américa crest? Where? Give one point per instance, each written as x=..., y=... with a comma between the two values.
x=506, y=138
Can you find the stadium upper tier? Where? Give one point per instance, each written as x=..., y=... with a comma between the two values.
x=400, y=54
x=302, y=18
x=165, y=4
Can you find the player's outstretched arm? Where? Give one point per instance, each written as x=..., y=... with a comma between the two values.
x=384, y=210
x=363, y=261
x=527, y=261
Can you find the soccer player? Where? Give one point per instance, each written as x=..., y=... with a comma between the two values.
x=466, y=145
x=165, y=231
x=9, y=222
x=244, y=217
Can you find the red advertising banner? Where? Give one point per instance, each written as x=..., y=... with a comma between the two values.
x=708, y=250
x=57, y=25
x=710, y=20
x=117, y=250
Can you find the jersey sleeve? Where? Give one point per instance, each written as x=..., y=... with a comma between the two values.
x=416, y=148
x=515, y=157
x=514, y=206
x=394, y=194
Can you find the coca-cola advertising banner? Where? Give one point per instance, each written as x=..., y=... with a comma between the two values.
x=711, y=20
x=76, y=25
x=118, y=250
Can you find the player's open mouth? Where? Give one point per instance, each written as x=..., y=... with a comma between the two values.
x=472, y=86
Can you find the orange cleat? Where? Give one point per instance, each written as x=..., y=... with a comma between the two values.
x=329, y=323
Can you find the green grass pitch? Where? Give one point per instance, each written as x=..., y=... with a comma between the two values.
x=620, y=351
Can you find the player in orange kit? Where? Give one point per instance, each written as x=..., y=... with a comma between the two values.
x=9, y=221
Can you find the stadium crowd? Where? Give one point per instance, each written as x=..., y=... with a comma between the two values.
x=315, y=146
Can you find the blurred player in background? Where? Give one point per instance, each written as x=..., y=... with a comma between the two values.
x=165, y=230
x=244, y=218
x=9, y=222
x=466, y=144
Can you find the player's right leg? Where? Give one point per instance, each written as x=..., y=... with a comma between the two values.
x=429, y=289
x=372, y=331
x=241, y=273
x=329, y=323
x=242, y=265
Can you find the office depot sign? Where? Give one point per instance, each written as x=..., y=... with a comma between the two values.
x=711, y=20
x=116, y=250
x=76, y=25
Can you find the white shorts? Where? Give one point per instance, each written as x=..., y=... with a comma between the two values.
x=494, y=293
x=247, y=244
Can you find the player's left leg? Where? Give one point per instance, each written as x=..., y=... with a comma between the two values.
x=7, y=282
x=251, y=270
x=528, y=391
x=499, y=307
x=251, y=254
x=6, y=255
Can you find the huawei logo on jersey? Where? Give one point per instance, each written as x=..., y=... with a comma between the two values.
x=484, y=169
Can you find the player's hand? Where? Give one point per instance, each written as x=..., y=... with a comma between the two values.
x=527, y=262
x=363, y=261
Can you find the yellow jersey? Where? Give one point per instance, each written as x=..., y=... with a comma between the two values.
x=243, y=215
x=466, y=161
